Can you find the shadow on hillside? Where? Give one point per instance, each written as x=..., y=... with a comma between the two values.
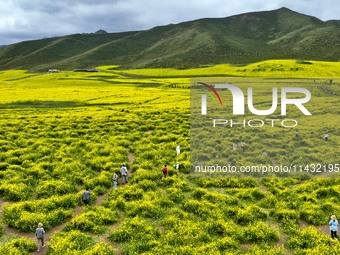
x=40, y=104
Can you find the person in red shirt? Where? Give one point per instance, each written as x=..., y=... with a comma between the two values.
x=165, y=171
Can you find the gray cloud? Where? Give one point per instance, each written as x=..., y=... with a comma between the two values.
x=34, y=19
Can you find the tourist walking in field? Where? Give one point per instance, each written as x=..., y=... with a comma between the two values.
x=124, y=172
x=39, y=233
x=178, y=149
x=297, y=134
x=86, y=196
x=114, y=180
x=325, y=137
x=333, y=227
x=165, y=171
x=243, y=144
x=235, y=146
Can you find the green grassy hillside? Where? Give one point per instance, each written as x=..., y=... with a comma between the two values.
x=240, y=39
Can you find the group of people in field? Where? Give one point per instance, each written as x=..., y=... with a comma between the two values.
x=243, y=146
x=297, y=135
x=124, y=175
x=325, y=137
x=39, y=233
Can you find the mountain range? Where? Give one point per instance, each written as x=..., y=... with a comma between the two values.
x=238, y=39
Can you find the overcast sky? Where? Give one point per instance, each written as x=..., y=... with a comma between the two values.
x=22, y=20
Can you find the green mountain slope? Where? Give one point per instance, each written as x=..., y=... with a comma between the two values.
x=237, y=39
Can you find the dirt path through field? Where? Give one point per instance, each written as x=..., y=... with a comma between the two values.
x=78, y=210
x=31, y=236
x=131, y=160
x=323, y=229
x=100, y=199
x=1, y=204
x=104, y=238
x=8, y=230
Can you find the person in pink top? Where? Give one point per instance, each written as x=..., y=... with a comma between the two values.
x=165, y=171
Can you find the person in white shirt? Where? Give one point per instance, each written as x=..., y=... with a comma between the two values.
x=326, y=137
x=234, y=146
x=124, y=173
x=243, y=144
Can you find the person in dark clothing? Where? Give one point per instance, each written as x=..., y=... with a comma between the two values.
x=39, y=233
x=86, y=196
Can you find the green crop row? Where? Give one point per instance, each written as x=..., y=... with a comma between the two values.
x=18, y=246
x=77, y=243
x=92, y=220
x=52, y=211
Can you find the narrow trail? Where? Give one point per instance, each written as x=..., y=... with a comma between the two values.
x=78, y=210
x=262, y=187
x=100, y=199
x=14, y=232
x=116, y=225
x=323, y=228
x=8, y=230
x=105, y=238
x=1, y=205
x=31, y=236
x=131, y=160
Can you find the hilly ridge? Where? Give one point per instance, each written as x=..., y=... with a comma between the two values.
x=239, y=39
